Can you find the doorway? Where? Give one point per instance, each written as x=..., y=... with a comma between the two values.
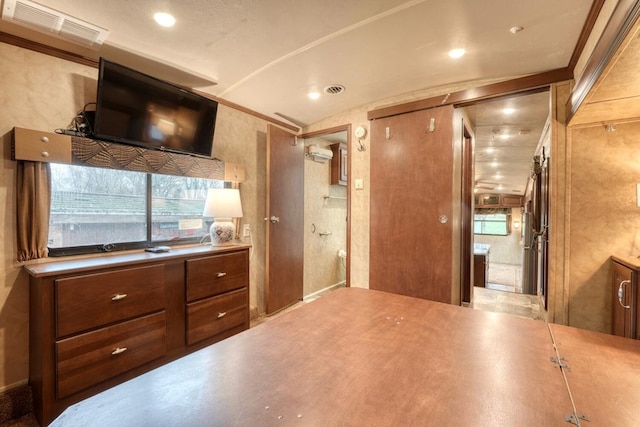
x=326, y=211
x=509, y=131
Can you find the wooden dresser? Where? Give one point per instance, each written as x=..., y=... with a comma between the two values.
x=98, y=321
x=625, y=297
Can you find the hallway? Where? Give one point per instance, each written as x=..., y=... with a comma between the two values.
x=498, y=301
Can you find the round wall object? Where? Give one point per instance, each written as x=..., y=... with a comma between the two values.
x=360, y=132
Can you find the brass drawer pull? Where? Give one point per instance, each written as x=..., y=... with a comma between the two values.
x=118, y=350
x=221, y=275
x=221, y=315
x=118, y=297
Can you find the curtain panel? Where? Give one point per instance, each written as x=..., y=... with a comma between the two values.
x=33, y=201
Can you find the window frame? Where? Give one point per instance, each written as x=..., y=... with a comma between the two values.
x=507, y=222
x=132, y=245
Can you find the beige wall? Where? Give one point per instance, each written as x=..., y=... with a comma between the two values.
x=604, y=220
x=36, y=92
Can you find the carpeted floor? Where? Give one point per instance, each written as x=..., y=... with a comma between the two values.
x=16, y=408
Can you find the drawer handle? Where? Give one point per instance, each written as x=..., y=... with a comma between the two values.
x=221, y=315
x=118, y=350
x=118, y=297
x=621, y=293
x=221, y=275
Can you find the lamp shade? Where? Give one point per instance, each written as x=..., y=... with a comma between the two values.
x=223, y=203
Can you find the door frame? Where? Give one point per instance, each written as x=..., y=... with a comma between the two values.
x=466, y=215
x=347, y=129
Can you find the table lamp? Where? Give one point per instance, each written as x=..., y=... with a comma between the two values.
x=222, y=204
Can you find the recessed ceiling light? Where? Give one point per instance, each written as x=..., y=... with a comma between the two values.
x=494, y=164
x=504, y=136
x=314, y=95
x=164, y=19
x=489, y=150
x=508, y=110
x=456, y=53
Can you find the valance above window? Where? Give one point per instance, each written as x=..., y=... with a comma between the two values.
x=51, y=147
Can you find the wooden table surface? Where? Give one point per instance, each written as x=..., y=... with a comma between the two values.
x=603, y=375
x=359, y=357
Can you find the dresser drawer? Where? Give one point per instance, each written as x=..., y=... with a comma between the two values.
x=89, y=301
x=216, y=274
x=90, y=358
x=212, y=316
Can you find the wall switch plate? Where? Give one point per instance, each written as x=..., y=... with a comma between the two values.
x=359, y=184
x=246, y=230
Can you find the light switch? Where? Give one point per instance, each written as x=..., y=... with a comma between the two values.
x=359, y=184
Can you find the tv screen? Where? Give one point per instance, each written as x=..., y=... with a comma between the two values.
x=134, y=108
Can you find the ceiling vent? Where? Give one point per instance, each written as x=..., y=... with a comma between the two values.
x=334, y=89
x=46, y=20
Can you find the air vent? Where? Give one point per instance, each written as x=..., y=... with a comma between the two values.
x=46, y=20
x=334, y=89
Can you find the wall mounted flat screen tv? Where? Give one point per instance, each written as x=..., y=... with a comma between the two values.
x=134, y=108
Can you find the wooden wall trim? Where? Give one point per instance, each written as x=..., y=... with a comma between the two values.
x=79, y=59
x=47, y=50
x=476, y=94
x=620, y=23
x=596, y=7
x=341, y=128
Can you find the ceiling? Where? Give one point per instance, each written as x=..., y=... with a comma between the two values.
x=268, y=56
x=505, y=142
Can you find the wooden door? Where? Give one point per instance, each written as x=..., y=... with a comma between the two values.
x=285, y=220
x=411, y=204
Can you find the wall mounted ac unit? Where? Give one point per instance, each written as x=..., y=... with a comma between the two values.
x=319, y=153
x=50, y=21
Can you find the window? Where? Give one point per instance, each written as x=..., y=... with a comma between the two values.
x=95, y=209
x=491, y=223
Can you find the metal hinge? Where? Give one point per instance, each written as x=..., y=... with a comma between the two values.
x=575, y=419
x=560, y=361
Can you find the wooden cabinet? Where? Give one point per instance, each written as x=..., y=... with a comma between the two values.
x=509, y=200
x=625, y=300
x=498, y=201
x=96, y=322
x=40, y=146
x=480, y=270
x=339, y=164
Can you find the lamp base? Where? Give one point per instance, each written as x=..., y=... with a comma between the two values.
x=222, y=231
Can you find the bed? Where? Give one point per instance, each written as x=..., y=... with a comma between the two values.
x=359, y=357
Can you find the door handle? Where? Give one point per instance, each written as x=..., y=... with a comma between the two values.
x=621, y=293
x=274, y=219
